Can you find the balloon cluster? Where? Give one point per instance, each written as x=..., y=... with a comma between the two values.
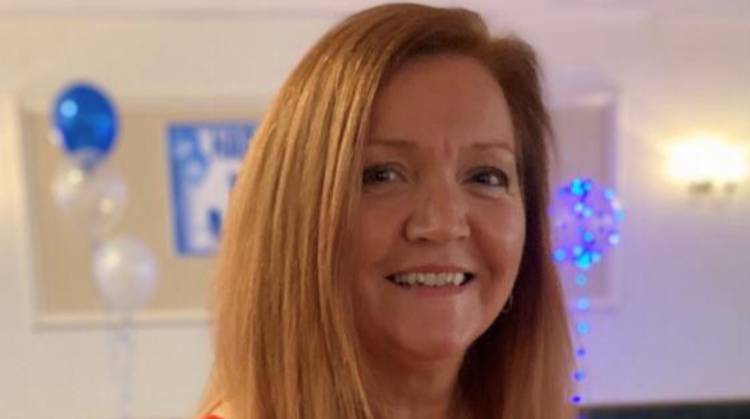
x=93, y=195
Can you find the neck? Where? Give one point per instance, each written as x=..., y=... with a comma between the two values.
x=415, y=389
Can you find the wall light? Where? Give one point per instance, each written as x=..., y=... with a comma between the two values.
x=709, y=163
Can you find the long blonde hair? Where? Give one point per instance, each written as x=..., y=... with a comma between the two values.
x=284, y=340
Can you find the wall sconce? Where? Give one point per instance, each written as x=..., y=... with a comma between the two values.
x=709, y=163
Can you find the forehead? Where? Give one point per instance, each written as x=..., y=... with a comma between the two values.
x=448, y=99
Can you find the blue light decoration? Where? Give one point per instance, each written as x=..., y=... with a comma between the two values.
x=586, y=219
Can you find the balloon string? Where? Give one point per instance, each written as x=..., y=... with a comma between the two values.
x=121, y=351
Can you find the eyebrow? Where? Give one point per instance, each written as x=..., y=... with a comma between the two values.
x=407, y=144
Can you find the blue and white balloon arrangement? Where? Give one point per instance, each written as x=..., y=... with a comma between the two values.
x=586, y=219
x=93, y=195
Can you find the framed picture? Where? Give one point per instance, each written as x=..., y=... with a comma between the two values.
x=584, y=116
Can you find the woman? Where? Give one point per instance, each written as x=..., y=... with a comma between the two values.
x=386, y=253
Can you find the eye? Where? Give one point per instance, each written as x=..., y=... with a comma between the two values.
x=490, y=176
x=380, y=174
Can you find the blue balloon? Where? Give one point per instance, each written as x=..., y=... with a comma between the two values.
x=86, y=122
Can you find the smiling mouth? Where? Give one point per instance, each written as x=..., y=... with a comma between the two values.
x=433, y=280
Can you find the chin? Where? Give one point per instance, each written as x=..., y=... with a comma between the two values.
x=436, y=348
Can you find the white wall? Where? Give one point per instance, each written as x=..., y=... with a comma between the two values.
x=66, y=373
x=681, y=329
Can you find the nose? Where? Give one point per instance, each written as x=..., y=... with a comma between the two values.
x=439, y=215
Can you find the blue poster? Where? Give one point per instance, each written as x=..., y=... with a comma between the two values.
x=204, y=159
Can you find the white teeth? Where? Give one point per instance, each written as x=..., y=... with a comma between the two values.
x=431, y=280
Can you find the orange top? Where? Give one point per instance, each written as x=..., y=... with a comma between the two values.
x=220, y=411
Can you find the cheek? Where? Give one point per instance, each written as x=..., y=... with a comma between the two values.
x=511, y=235
x=377, y=231
x=376, y=236
x=502, y=239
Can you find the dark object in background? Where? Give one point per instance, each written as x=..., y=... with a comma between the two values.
x=713, y=410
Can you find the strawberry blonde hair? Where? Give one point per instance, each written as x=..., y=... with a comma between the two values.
x=284, y=339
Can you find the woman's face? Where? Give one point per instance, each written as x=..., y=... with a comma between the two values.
x=441, y=223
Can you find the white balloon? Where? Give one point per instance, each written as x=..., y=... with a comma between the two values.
x=95, y=200
x=126, y=274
